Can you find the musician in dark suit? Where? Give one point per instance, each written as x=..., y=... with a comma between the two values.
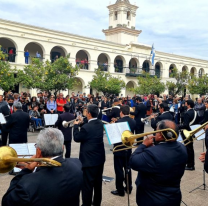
x=17, y=125
x=140, y=112
x=121, y=158
x=160, y=168
x=47, y=185
x=115, y=112
x=67, y=132
x=6, y=110
x=190, y=118
x=205, y=119
x=165, y=114
x=92, y=155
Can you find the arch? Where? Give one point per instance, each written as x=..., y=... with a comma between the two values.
x=134, y=65
x=201, y=72
x=103, y=61
x=9, y=47
x=33, y=48
x=193, y=71
x=130, y=85
x=146, y=66
x=158, y=69
x=184, y=68
x=79, y=85
x=82, y=59
x=172, y=66
x=119, y=63
x=57, y=52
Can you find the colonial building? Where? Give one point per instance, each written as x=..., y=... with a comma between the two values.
x=120, y=53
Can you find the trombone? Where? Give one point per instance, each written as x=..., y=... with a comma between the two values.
x=128, y=138
x=9, y=159
x=189, y=135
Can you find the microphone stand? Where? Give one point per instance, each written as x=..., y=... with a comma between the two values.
x=204, y=183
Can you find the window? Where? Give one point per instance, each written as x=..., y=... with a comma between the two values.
x=128, y=15
x=116, y=15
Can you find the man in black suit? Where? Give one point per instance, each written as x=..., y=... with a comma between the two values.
x=165, y=115
x=160, y=168
x=115, y=112
x=92, y=155
x=121, y=158
x=140, y=112
x=6, y=110
x=205, y=119
x=18, y=124
x=47, y=185
x=67, y=132
x=190, y=118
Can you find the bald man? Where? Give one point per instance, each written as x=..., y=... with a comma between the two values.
x=160, y=168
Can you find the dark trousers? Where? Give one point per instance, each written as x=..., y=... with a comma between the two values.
x=92, y=180
x=120, y=166
x=68, y=148
x=190, y=151
x=4, y=137
x=139, y=130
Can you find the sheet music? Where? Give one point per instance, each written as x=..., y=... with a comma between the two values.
x=200, y=133
x=50, y=119
x=24, y=149
x=2, y=119
x=114, y=131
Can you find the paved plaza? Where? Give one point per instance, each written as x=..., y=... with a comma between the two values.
x=191, y=179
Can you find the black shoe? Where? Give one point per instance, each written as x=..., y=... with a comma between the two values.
x=190, y=168
x=117, y=193
x=130, y=189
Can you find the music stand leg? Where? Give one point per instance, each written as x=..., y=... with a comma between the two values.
x=127, y=177
x=204, y=183
x=184, y=202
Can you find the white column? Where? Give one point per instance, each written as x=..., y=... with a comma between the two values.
x=20, y=58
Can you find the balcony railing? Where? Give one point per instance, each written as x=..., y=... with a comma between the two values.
x=135, y=72
x=82, y=65
x=103, y=67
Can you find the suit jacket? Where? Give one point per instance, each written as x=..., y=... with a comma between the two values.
x=188, y=117
x=140, y=112
x=18, y=124
x=160, y=169
x=67, y=132
x=205, y=118
x=92, y=152
x=48, y=186
x=103, y=104
x=132, y=125
x=115, y=112
x=6, y=112
x=164, y=116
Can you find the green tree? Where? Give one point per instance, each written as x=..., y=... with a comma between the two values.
x=106, y=83
x=7, y=80
x=198, y=85
x=47, y=76
x=148, y=84
x=179, y=85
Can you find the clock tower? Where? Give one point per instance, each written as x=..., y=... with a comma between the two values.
x=122, y=23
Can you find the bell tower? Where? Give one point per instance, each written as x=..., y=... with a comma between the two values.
x=122, y=23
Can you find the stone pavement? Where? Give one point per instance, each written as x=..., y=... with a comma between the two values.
x=190, y=180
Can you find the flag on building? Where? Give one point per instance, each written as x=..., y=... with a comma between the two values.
x=153, y=55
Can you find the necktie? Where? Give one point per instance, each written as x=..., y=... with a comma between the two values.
x=11, y=111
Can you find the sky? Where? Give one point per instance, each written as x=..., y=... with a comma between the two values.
x=178, y=27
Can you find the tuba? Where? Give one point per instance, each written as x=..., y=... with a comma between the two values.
x=9, y=159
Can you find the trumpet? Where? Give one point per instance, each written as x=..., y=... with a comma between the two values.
x=9, y=159
x=146, y=120
x=190, y=135
x=66, y=124
x=128, y=138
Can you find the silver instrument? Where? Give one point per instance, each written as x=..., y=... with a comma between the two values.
x=66, y=124
x=147, y=119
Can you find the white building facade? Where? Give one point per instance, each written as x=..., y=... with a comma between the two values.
x=121, y=52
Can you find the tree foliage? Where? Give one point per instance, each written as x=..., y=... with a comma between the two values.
x=106, y=83
x=7, y=80
x=198, y=85
x=179, y=85
x=148, y=84
x=48, y=76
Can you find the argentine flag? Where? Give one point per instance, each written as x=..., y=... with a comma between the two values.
x=153, y=55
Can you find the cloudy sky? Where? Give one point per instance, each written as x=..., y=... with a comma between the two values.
x=178, y=26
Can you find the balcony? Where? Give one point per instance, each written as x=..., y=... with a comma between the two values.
x=139, y=71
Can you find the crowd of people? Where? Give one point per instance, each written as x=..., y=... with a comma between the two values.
x=156, y=182
x=82, y=63
x=10, y=53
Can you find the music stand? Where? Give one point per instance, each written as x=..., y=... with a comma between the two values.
x=204, y=183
